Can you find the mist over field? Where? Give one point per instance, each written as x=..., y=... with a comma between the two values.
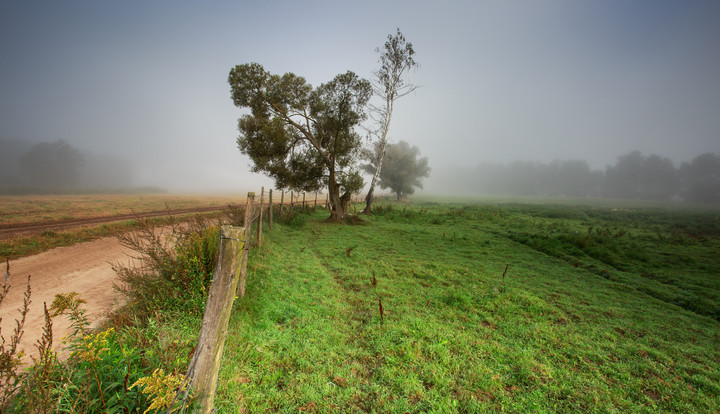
x=515, y=98
x=633, y=176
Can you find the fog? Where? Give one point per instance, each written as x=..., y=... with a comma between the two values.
x=140, y=89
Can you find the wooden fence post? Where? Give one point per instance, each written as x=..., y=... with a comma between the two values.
x=240, y=292
x=260, y=214
x=292, y=199
x=270, y=210
x=315, y=206
x=282, y=199
x=303, y=200
x=202, y=373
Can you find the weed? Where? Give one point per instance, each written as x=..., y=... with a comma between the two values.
x=94, y=378
x=10, y=357
x=162, y=388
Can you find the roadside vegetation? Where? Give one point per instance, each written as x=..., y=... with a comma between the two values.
x=135, y=361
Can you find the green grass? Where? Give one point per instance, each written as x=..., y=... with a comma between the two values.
x=585, y=320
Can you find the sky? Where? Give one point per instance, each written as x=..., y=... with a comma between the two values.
x=500, y=80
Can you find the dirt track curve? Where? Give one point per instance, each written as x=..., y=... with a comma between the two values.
x=85, y=268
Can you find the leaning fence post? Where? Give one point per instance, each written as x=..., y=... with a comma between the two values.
x=202, y=373
x=270, y=207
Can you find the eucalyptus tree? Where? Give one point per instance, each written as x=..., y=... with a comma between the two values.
x=397, y=57
x=302, y=137
x=404, y=168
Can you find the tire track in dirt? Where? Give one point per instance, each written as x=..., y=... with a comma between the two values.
x=25, y=229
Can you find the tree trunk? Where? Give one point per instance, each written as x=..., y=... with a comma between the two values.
x=376, y=176
x=338, y=203
x=369, y=198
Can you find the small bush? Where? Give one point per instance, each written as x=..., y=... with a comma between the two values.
x=175, y=270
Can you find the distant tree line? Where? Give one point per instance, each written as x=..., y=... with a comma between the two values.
x=633, y=176
x=58, y=167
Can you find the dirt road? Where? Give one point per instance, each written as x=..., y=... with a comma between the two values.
x=85, y=268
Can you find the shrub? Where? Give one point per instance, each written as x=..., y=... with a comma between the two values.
x=175, y=268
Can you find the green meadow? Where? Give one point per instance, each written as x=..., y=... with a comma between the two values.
x=481, y=307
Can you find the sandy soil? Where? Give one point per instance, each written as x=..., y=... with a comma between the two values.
x=85, y=268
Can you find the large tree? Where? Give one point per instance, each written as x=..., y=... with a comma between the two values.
x=658, y=179
x=389, y=84
x=302, y=137
x=52, y=165
x=622, y=180
x=636, y=176
x=403, y=168
x=701, y=178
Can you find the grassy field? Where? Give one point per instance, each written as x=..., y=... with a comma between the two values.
x=485, y=307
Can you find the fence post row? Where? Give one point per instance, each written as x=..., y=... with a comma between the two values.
x=228, y=283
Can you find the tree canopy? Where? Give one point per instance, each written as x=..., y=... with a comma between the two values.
x=302, y=137
x=403, y=169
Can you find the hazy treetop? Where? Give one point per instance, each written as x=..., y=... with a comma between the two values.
x=535, y=81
